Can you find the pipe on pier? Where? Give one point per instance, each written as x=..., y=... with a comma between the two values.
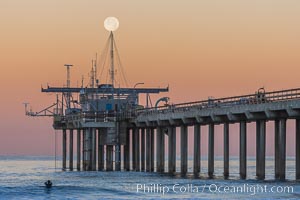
x=71, y=151
x=211, y=150
x=197, y=153
x=226, y=150
x=260, y=149
x=243, y=149
x=183, y=147
x=172, y=149
x=64, y=150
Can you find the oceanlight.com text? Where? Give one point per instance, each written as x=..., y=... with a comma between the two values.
x=251, y=189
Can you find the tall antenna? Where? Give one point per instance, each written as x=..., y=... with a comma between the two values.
x=95, y=70
x=68, y=94
x=111, y=24
x=112, y=67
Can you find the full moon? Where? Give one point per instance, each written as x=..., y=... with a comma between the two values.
x=111, y=23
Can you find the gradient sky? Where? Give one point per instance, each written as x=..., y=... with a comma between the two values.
x=200, y=48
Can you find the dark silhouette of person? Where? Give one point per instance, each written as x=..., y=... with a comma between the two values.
x=48, y=184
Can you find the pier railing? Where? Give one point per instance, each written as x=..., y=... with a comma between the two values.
x=259, y=97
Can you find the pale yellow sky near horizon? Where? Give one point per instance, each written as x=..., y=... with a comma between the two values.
x=199, y=48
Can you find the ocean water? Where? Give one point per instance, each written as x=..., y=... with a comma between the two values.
x=24, y=177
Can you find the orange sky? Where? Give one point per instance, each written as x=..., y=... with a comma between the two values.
x=200, y=48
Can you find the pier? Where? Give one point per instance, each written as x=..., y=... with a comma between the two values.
x=114, y=132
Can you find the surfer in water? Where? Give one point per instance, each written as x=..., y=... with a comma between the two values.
x=48, y=184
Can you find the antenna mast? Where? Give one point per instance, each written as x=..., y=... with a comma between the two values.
x=112, y=67
x=68, y=94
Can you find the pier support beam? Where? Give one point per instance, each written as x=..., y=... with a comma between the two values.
x=260, y=149
x=152, y=149
x=100, y=151
x=64, y=150
x=133, y=151
x=78, y=149
x=94, y=148
x=143, y=149
x=87, y=162
x=137, y=149
x=118, y=149
x=183, y=147
x=172, y=149
x=117, y=157
x=282, y=148
x=276, y=148
x=243, y=149
x=226, y=150
x=148, y=150
x=83, y=149
x=160, y=147
x=71, y=151
x=297, y=149
x=109, y=157
x=197, y=153
x=211, y=133
x=127, y=151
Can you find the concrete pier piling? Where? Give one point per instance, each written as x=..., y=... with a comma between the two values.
x=100, y=151
x=276, y=149
x=197, y=153
x=159, y=149
x=117, y=157
x=243, y=149
x=183, y=148
x=109, y=157
x=87, y=162
x=211, y=150
x=71, y=151
x=172, y=149
x=143, y=149
x=137, y=150
x=78, y=149
x=226, y=150
x=64, y=150
x=282, y=148
x=152, y=149
x=148, y=150
x=133, y=149
x=127, y=151
x=260, y=149
x=94, y=149
x=83, y=148
x=297, y=149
